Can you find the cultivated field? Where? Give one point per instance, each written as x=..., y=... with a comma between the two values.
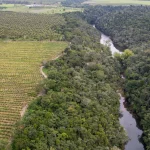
x=29, y=26
x=19, y=76
x=47, y=2
x=118, y=2
x=51, y=9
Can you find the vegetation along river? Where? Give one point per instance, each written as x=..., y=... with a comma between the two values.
x=126, y=119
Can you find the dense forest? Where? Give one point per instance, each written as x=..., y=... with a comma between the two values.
x=25, y=26
x=80, y=108
x=128, y=27
x=73, y=2
x=137, y=90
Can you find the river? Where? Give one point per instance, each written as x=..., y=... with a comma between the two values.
x=126, y=120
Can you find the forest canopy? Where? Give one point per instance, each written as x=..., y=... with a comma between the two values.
x=80, y=108
x=128, y=27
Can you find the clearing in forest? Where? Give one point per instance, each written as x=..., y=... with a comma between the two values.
x=19, y=75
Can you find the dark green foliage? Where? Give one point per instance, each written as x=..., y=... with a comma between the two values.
x=137, y=89
x=72, y=2
x=27, y=26
x=80, y=108
x=128, y=26
x=2, y=8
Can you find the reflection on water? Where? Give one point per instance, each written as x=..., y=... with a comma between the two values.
x=130, y=125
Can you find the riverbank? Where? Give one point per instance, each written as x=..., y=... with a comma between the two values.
x=80, y=107
x=127, y=120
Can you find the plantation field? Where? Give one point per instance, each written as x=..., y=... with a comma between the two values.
x=19, y=76
x=42, y=10
x=29, y=26
x=118, y=2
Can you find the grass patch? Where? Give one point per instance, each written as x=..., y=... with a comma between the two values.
x=45, y=70
x=7, y=5
x=20, y=74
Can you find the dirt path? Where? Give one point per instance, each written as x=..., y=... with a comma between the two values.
x=22, y=112
x=41, y=68
x=43, y=74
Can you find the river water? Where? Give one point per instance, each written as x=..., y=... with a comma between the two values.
x=126, y=120
x=105, y=40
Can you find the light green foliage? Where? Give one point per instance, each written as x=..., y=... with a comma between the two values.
x=126, y=54
x=123, y=57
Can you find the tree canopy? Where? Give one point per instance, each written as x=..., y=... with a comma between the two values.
x=80, y=108
x=128, y=27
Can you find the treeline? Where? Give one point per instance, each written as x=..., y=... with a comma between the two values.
x=80, y=108
x=129, y=27
x=72, y=2
x=25, y=26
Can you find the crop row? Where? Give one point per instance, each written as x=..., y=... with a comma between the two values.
x=29, y=26
x=19, y=76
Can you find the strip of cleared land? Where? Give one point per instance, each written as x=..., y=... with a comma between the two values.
x=19, y=76
x=118, y=2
